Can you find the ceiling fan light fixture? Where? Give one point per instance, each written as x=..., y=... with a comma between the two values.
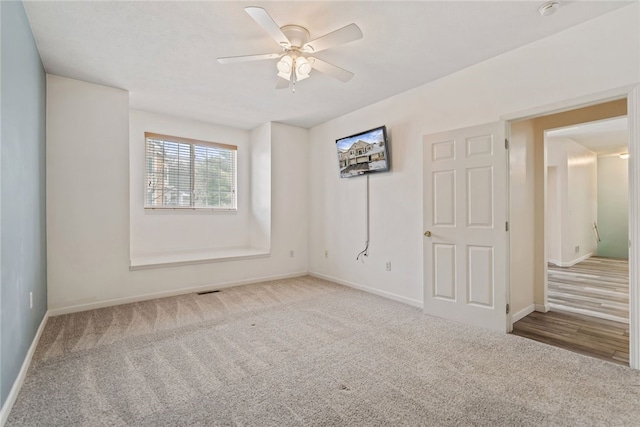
x=286, y=76
x=293, y=68
x=301, y=77
x=303, y=67
x=285, y=65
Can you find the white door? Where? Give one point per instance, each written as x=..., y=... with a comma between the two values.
x=465, y=211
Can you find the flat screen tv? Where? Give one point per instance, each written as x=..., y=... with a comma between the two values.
x=363, y=153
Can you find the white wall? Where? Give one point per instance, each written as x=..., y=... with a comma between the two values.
x=553, y=215
x=290, y=195
x=599, y=55
x=88, y=206
x=556, y=201
x=155, y=231
x=613, y=207
x=582, y=203
x=260, y=225
x=576, y=202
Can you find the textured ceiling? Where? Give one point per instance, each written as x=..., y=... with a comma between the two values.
x=165, y=53
x=603, y=137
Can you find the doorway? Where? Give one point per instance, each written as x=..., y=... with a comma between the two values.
x=587, y=218
x=557, y=281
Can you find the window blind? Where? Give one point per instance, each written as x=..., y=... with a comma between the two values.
x=187, y=173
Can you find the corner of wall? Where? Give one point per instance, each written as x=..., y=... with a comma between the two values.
x=260, y=178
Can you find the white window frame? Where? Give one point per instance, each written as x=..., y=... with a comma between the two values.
x=192, y=143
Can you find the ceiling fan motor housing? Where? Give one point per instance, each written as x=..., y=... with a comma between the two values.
x=298, y=36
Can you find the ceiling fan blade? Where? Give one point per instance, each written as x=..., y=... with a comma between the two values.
x=268, y=24
x=341, y=36
x=282, y=83
x=331, y=70
x=246, y=58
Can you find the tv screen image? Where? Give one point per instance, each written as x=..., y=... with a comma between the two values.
x=363, y=153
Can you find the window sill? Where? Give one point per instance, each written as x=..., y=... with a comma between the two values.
x=184, y=209
x=176, y=259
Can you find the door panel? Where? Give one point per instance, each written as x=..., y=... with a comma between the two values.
x=444, y=150
x=480, y=145
x=444, y=271
x=480, y=197
x=465, y=209
x=444, y=195
x=480, y=275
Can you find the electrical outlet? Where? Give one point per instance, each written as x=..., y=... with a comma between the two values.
x=577, y=249
x=388, y=266
x=291, y=253
x=31, y=300
x=326, y=254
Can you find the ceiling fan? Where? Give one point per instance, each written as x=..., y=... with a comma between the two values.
x=295, y=64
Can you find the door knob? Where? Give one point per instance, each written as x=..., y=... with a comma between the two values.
x=427, y=233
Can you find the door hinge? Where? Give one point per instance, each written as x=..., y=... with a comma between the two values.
x=506, y=144
x=506, y=226
x=508, y=308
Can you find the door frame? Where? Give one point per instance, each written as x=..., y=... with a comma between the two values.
x=632, y=94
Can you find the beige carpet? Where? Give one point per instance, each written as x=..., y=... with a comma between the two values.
x=307, y=352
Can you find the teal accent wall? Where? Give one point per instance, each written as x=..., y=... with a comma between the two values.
x=23, y=257
x=613, y=207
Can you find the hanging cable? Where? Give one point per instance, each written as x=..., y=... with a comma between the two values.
x=365, y=251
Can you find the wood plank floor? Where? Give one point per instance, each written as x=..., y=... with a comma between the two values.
x=596, y=287
x=592, y=336
x=589, y=310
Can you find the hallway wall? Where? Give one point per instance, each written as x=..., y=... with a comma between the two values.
x=577, y=196
x=613, y=207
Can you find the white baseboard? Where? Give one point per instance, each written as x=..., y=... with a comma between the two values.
x=523, y=313
x=572, y=262
x=17, y=384
x=118, y=301
x=542, y=308
x=389, y=295
x=591, y=313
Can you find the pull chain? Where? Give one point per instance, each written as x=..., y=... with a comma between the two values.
x=293, y=76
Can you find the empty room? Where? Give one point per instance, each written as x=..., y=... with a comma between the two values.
x=281, y=213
